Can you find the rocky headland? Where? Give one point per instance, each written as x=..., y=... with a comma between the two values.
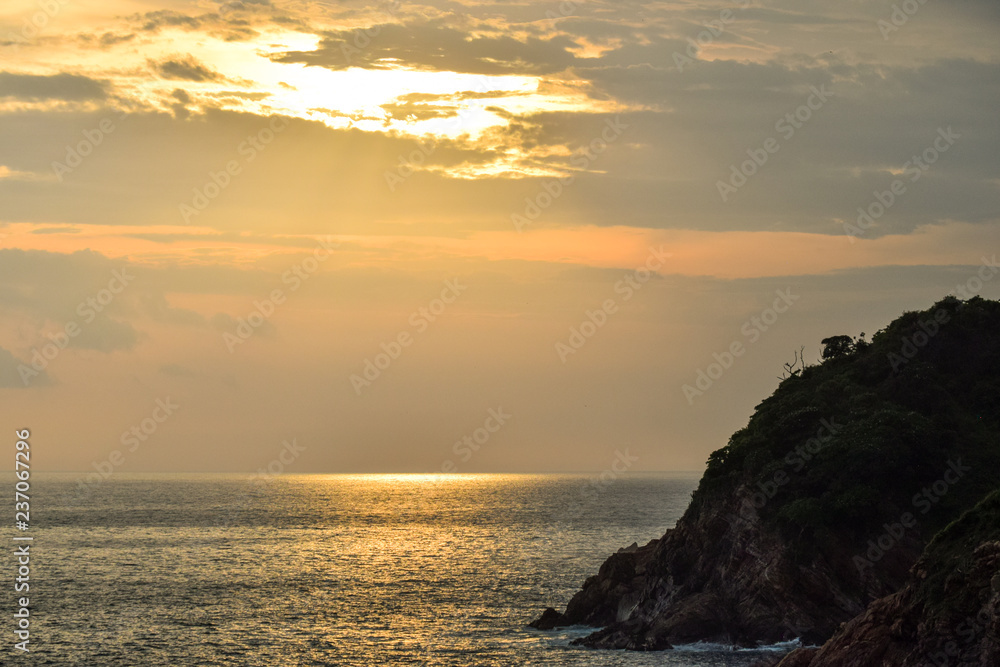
x=809, y=523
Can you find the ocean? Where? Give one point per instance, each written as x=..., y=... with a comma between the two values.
x=211, y=569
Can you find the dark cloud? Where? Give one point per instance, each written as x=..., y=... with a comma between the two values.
x=55, y=289
x=435, y=46
x=233, y=21
x=179, y=105
x=71, y=87
x=789, y=17
x=105, y=40
x=110, y=39
x=686, y=128
x=156, y=307
x=56, y=230
x=239, y=94
x=51, y=290
x=227, y=8
x=420, y=110
x=166, y=18
x=185, y=68
x=662, y=173
x=105, y=334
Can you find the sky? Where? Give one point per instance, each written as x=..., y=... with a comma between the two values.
x=468, y=236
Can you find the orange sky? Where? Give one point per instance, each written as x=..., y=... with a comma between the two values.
x=319, y=176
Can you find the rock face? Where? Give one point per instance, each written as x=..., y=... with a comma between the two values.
x=947, y=613
x=725, y=578
x=824, y=501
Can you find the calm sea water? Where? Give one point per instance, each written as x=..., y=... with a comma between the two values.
x=332, y=569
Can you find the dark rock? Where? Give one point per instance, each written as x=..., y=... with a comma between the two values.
x=947, y=613
x=798, y=658
x=549, y=619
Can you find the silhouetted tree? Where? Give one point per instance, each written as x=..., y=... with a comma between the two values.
x=797, y=365
x=837, y=346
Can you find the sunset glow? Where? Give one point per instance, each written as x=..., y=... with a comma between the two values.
x=484, y=182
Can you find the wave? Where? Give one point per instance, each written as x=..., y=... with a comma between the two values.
x=714, y=647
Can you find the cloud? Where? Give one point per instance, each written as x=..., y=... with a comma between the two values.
x=10, y=376
x=185, y=68
x=156, y=307
x=105, y=334
x=60, y=229
x=180, y=105
x=45, y=291
x=234, y=21
x=228, y=324
x=178, y=370
x=166, y=18
x=70, y=87
x=15, y=175
x=434, y=46
x=686, y=128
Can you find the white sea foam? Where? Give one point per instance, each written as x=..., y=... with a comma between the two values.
x=701, y=647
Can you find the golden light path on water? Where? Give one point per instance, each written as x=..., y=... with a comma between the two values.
x=353, y=570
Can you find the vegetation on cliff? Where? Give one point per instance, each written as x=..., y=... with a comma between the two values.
x=947, y=613
x=824, y=501
x=850, y=444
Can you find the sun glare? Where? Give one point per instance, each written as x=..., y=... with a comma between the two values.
x=249, y=77
x=180, y=72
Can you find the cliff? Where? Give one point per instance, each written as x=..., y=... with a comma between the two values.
x=824, y=501
x=947, y=612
